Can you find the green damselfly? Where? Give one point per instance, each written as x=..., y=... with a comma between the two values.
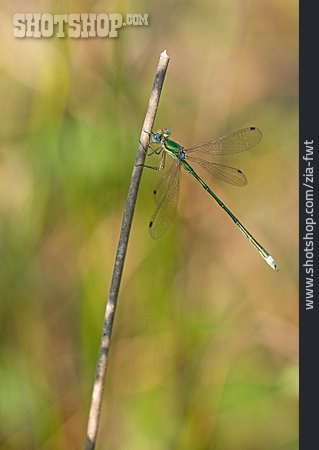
x=166, y=192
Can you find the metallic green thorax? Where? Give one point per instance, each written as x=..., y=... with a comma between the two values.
x=172, y=146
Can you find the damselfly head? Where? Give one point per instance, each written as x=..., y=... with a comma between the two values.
x=160, y=135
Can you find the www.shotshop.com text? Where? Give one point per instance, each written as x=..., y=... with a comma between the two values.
x=309, y=222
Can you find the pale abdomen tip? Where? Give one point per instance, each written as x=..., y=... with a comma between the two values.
x=272, y=263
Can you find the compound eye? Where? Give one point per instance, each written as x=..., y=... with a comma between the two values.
x=156, y=138
x=166, y=132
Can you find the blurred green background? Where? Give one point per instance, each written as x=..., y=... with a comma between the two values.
x=204, y=351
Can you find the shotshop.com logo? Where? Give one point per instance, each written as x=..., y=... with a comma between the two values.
x=73, y=25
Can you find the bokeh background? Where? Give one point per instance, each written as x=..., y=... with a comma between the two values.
x=204, y=351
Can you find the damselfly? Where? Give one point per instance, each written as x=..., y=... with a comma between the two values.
x=166, y=192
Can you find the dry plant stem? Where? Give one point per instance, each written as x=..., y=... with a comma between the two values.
x=97, y=394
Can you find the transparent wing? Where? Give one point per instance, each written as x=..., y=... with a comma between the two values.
x=163, y=184
x=229, y=174
x=235, y=142
x=166, y=195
